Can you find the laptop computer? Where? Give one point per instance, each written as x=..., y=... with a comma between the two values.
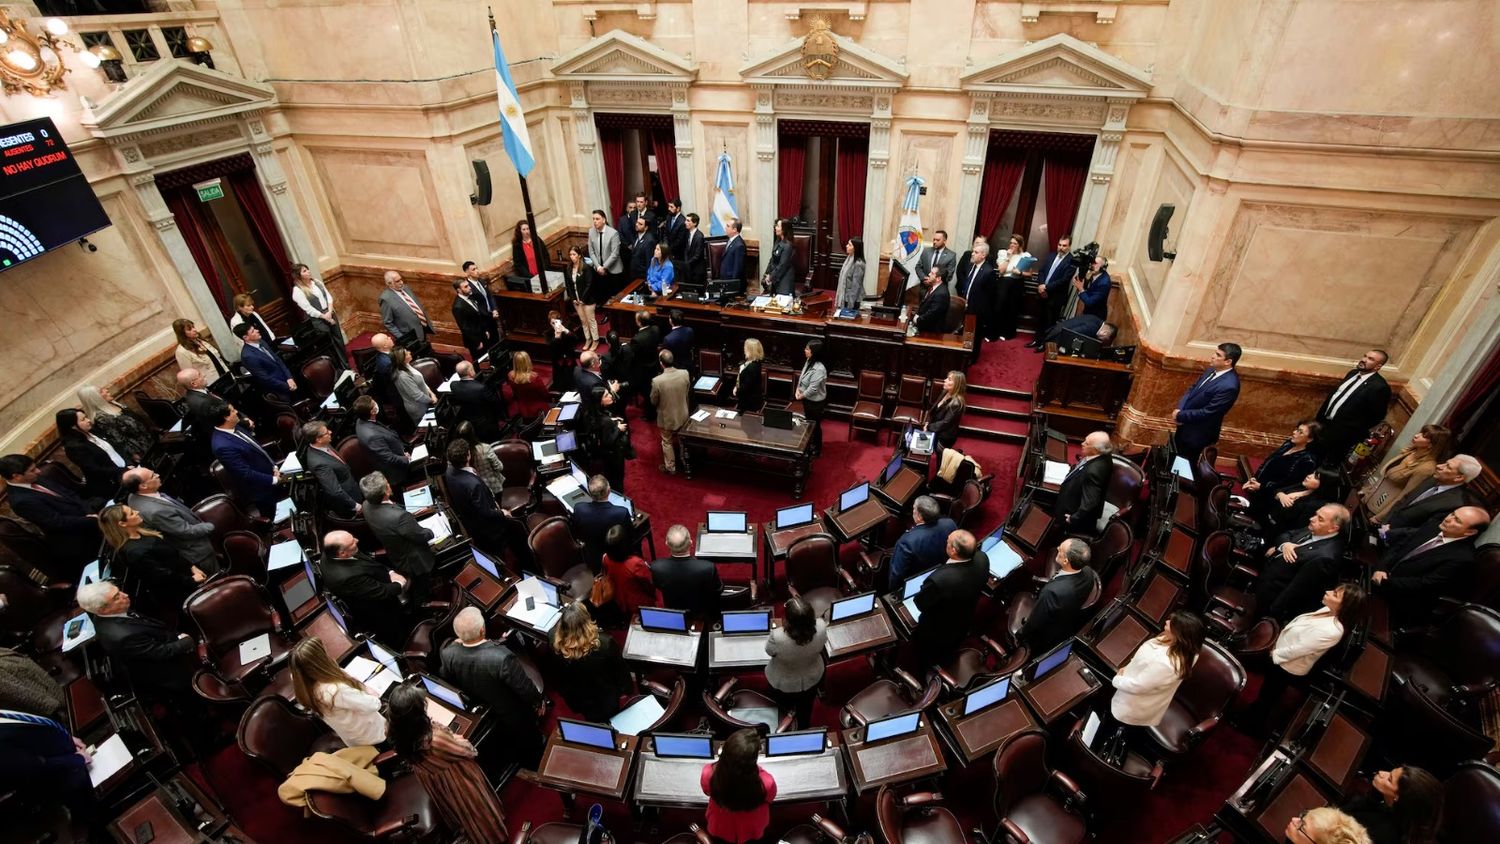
x=777, y=418
x=567, y=412
x=1050, y=662
x=909, y=591
x=300, y=594
x=664, y=621
x=747, y=622
x=567, y=440
x=619, y=500
x=795, y=516
x=438, y=690
x=490, y=567
x=792, y=744
x=893, y=727
x=682, y=746
x=854, y=496
x=587, y=733
x=853, y=606
x=892, y=469
x=986, y=696
x=726, y=535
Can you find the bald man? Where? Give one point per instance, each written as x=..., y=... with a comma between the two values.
x=477, y=403
x=177, y=523
x=1080, y=499
x=371, y=591
x=1301, y=565
x=488, y=671
x=1428, y=563
x=403, y=315
x=947, y=600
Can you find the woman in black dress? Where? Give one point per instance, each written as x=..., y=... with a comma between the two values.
x=143, y=557
x=781, y=269
x=1284, y=470
x=749, y=391
x=101, y=463
x=592, y=674
x=943, y=419
x=616, y=363
x=605, y=436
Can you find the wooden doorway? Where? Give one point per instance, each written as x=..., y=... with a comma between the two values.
x=821, y=188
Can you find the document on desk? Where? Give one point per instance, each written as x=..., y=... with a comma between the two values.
x=561, y=486
x=706, y=382
x=447, y=386
x=330, y=402
x=284, y=510
x=1003, y=560
x=176, y=428
x=428, y=421
x=362, y=668
x=417, y=499
x=253, y=649
x=570, y=397
x=911, y=607
x=638, y=717
x=382, y=680
x=291, y=464
x=1054, y=472
x=541, y=616
x=77, y=631
x=726, y=414
x=438, y=524
x=284, y=555
x=419, y=453
x=107, y=759
x=700, y=416
x=760, y=301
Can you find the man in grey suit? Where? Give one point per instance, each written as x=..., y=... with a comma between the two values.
x=189, y=534
x=938, y=255
x=604, y=252
x=1442, y=493
x=405, y=541
x=340, y=493
x=669, y=393
x=402, y=314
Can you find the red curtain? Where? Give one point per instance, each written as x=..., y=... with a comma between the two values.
x=253, y=202
x=1003, y=169
x=664, y=145
x=181, y=201
x=792, y=157
x=849, y=184
x=612, y=146
x=1064, y=174
x=1485, y=382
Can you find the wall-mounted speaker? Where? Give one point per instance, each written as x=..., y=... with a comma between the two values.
x=481, y=194
x=1157, y=239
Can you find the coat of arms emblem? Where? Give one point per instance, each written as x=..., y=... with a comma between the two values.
x=819, y=50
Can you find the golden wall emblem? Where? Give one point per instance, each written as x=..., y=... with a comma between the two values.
x=819, y=50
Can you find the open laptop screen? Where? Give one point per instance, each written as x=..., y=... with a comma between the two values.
x=583, y=732
x=852, y=606
x=443, y=693
x=854, y=497
x=747, y=621
x=485, y=563
x=785, y=744
x=794, y=516
x=1049, y=663
x=683, y=746
x=892, y=727
x=720, y=522
x=891, y=469
x=985, y=696
x=672, y=621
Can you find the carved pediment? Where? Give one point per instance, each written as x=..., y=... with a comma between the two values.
x=855, y=64
x=174, y=93
x=618, y=55
x=1060, y=64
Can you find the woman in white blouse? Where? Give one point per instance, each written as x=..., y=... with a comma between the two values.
x=1304, y=641
x=344, y=703
x=312, y=296
x=1007, y=304
x=1146, y=683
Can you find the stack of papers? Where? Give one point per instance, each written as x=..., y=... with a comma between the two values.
x=447, y=386
x=637, y=717
x=700, y=416
x=331, y=401
x=541, y=616
x=726, y=414
x=176, y=429
x=570, y=397
x=417, y=499
x=419, y=453
x=291, y=465
x=284, y=510
x=1054, y=472
x=107, y=759
x=760, y=301
x=374, y=675
x=561, y=486
x=284, y=555
x=438, y=524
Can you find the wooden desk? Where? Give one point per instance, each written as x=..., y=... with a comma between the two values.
x=578, y=769
x=1055, y=695
x=812, y=777
x=170, y=822
x=526, y=628
x=854, y=636
x=746, y=442
x=1078, y=394
x=1296, y=795
x=855, y=522
x=483, y=590
x=1119, y=638
x=898, y=494
x=678, y=650
x=893, y=761
x=1033, y=527
x=1370, y=675
x=972, y=737
x=750, y=557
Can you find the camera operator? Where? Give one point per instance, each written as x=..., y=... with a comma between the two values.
x=1092, y=287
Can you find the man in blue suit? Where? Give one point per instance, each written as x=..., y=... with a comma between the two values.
x=1093, y=291
x=925, y=545
x=1053, y=276
x=732, y=263
x=266, y=367
x=1200, y=412
x=253, y=470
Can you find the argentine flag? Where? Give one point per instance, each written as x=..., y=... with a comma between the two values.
x=512, y=119
x=909, y=231
x=724, y=208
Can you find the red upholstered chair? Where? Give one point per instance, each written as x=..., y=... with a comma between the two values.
x=1224, y=582
x=560, y=556
x=520, y=474
x=404, y=813
x=354, y=453
x=972, y=667
x=968, y=500
x=230, y=610
x=318, y=375
x=820, y=830
x=916, y=819
x=288, y=433
x=160, y=413
x=710, y=364
x=246, y=554
x=954, y=324
x=670, y=698
x=423, y=645
x=279, y=737
x=730, y=708
x=911, y=404
x=1471, y=804
x=1027, y=809
x=813, y=572
x=1125, y=485
x=32, y=618
x=1111, y=548
x=1214, y=682
x=432, y=372
x=886, y=697
x=226, y=516
x=1115, y=785
x=1457, y=662
x=869, y=404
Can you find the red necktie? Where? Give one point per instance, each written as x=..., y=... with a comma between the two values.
x=412, y=303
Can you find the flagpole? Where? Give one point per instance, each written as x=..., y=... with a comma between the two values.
x=525, y=192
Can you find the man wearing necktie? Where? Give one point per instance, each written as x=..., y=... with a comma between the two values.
x=1054, y=274
x=488, y=305
x=977, y=286
x=403, y=315
x=674, y=231
x=72, y=530
x=1201, y=410
x=41, y=761
x=1446, y=490
x=177, y=523
x=267, y=369
x=155, y=656
x=695, y=253
x=252, y=470
x=1419, y=570
x=937, y=256
x=1352, y=408
x=1301, y=565
x=1080, y=499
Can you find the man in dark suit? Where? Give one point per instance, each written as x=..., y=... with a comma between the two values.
x=197, y=398
x=155, y=656
x=642, y=249
x=266, y=368
x=72, y=531
x=489, y=526
x=590, y=374
x=732, y=263
x=1201, y=410
x=371, y=591
x=978, y=285
x=947, y=600
x=686, y=582
x=386, y=449
x=381, y=371
x=479, y=289
x=403, y=315
x=679, y=340
x=1355, y=406
x=476, y=402
x=966, y=260
x=1086, y=324
x=177, y=523
x=695, y=253
x=1080, y=499
x=488, y=671
x=932, y=313
x=643, y=348
x=626, y=223
x=937, y=257
x=640, y=209
x=1444, y=492
x=924, y=545
x=674, y=229
x=473, y=318
x=407, y=543
x=1301, y=565
x=41, y=765
x=1059, y=606
x=592, y=519
x=1422, y=568
x=252, y=469
x=340, y=493
x=1054, y=276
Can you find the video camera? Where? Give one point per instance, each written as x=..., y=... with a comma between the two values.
x=1083, y=257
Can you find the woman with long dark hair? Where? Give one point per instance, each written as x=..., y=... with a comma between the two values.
x=606, y=437
x=1284, y=469
x=445, y=764
x=812, y=391
x=661, y=272
x=1302, y=642
x=482, y=458
x=1290, y=508
x=416, y=397
x=1145, y=684
x=143, y=556
x=781, y=269
x=851, y=289
x=739, y=790
x=528, y=255
x=1403, y=806
x=615, y=365
x=578, y=288
x=796, y=652
x=101, y=463
x=592, y=674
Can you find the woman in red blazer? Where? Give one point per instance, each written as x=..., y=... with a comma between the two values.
x=739, y=791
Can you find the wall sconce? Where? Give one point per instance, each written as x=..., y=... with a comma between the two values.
x=199, y=49
x=32, y=62
x=107, y=59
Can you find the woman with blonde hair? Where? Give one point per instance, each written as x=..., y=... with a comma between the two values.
x=313, y=298
x=528, y=392
x=1412, y=465
x=943, y=419
x=749, y=392
x=416, y=397
x=143, y=555
x=1325, y=826
x=116, y=424
x=326, y=690
x=195, y=350
x=592, y=673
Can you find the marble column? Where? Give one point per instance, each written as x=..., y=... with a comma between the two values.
x=273, y=181
x=596, y=187
x=1101, y=172
x=763, y=220
x=976, y=148
x=875, y=190
x=682, y=131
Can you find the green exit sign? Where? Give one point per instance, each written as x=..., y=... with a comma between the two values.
x=210, y=190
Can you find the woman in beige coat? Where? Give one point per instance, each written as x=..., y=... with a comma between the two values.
x=1407, y=470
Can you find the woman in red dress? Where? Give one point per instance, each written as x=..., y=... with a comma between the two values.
x=739, y=791
x=629, y=574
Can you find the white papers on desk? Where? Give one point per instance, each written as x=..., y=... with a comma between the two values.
x=726, y=414
x=429, y=420
x=1090, y=729
x=253, y=649
x=284, y=555
x=419, y=453
x=330, y=402
x=438, y=524
x=291, y=464
x=554, y=279
x=176, y=428
x=374, y=675
x=570, y=397
x=84, y=633
x=1105, y=514
x=541, y=616
x=760, y=301
x=288, y=342
x=346, y=375
x=284, y=510
x=447, y=386
x=707, y=382
x=381, y=681
x=438, y=714
x=1182, y=468
x=417, y=499
x=107, y=759
x=1003, y=559
x=700, y=416
x=638, y=717
x=90, y=574
x=1053, y=472
x=561, y=486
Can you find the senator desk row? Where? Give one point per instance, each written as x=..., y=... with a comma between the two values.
x=685, y=650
